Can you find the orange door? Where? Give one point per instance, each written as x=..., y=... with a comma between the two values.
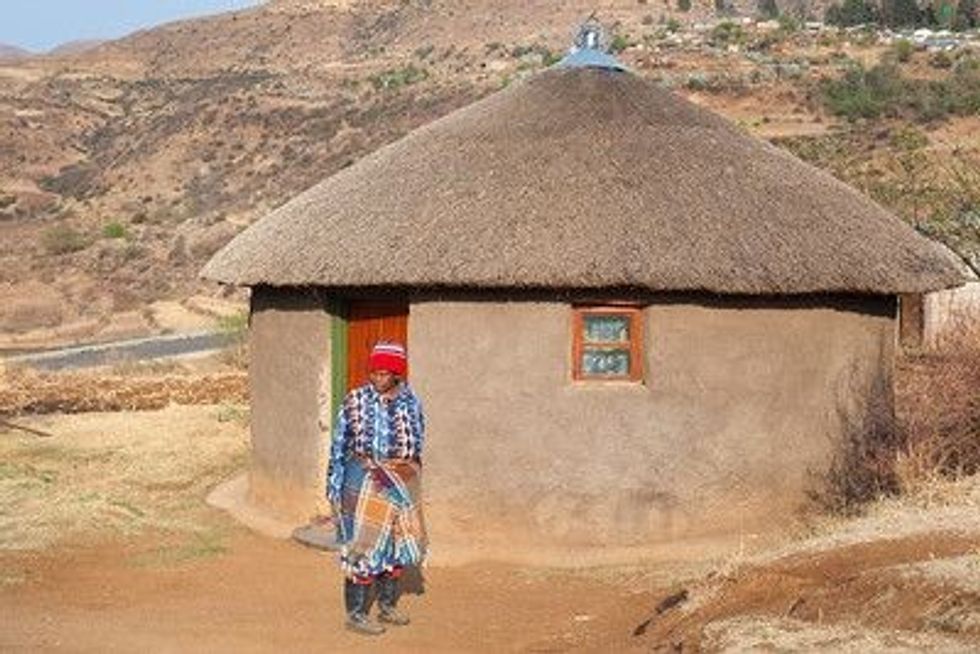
x=371, y=321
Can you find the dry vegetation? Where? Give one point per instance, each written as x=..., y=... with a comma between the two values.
x=933, y=434
x=938, y=395
x=98, y=475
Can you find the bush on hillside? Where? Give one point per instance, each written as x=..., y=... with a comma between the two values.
x=727, y=33
x=901, y=13
x=967, y=15
x=851, y=12
x=767, y=9
x=63, y=239
x=882, y=91
x=902, y=49
x=114, y=230
x=395, y=78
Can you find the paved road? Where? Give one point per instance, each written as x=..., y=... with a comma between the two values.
x=140, y=349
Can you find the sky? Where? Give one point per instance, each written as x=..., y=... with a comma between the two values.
x=39, y=25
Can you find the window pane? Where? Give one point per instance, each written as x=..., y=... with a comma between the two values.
x=614, y=363
x=606, y=329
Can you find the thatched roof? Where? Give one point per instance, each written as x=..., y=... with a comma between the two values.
x=585, y=178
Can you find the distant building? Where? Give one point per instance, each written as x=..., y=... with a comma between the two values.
x=630, y=322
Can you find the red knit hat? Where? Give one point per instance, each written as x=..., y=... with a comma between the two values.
x=388, y=356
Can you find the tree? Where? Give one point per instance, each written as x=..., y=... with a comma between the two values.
x=967, y=16
x=852, y=12
x=900, y=13
x=767, y=9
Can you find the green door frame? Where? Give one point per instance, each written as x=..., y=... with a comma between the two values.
x=339, y=311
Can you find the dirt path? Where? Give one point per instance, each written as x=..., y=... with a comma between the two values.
x=264, y=595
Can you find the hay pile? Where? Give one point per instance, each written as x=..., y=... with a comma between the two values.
x=31, y=392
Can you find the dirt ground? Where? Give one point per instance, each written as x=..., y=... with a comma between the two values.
x=261, y=595
x=106, y=545
x=265, y=595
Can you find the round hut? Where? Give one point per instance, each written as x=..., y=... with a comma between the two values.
x=630, y=322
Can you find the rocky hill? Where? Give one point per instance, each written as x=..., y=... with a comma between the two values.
x=123, y=167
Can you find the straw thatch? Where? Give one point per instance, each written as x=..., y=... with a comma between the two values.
x=585, y=178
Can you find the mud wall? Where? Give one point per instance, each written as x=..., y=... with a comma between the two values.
x=289, y=366
x=741, y=403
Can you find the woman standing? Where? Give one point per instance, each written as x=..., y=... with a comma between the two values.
x=373, y=486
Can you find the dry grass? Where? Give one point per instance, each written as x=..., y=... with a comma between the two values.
x=863, y=467
x=938, y=401
x=119, y=473
x=933, y=434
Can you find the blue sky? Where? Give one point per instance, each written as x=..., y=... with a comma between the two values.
x=39, y=25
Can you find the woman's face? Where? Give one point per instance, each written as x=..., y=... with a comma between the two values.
x=383, y=380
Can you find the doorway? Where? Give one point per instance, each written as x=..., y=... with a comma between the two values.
x=370, y=321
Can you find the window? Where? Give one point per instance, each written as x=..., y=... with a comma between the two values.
x=607, y=343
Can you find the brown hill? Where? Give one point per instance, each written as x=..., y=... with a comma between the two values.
x=10, y=52
x=123, y=168
x=75, y=47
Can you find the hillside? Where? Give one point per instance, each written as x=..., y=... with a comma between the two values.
x=75, y=47
x=8, y=52
x=125, y=166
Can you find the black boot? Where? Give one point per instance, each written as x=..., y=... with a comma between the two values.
x=356, y=604
x=389, y=590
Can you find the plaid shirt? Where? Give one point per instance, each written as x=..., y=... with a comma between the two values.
x=370, y=427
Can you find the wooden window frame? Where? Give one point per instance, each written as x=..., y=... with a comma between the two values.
x=635, y=315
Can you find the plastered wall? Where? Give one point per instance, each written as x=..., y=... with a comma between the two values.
x=741, y=404
x=288, y=378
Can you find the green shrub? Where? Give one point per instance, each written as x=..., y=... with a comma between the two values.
x=852, y=12
x=684, y=5
x=767, y=9
x=619, y=43
x=862, y=93
x=900, y=13
x=395, y=78
x=881, y=90
x=726, y=33
x=673, y=25
x=903, y=49
x=788, y=24
x=941, y=59
x=63, y=239
x=967, y=15
x=114, y=230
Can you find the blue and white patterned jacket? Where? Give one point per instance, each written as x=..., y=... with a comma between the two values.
x=368, y=427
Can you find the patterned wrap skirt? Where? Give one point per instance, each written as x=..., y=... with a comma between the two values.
x=381, y=525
